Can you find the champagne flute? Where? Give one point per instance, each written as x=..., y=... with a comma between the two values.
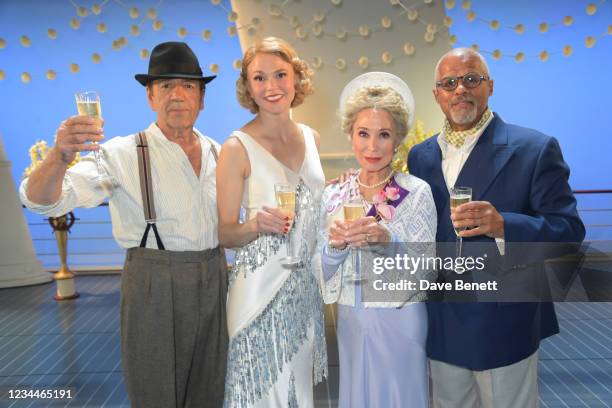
x=88, y=104
x=285, y=200
x=353, y=210
x=458, y=196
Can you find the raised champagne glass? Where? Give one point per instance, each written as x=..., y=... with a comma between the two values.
x=353, y=210
x=458, y=196
x=88, y=104
x=285, y=201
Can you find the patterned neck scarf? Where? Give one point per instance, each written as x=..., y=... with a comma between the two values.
x=457, y=137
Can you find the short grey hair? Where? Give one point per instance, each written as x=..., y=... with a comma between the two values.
x=464, y=53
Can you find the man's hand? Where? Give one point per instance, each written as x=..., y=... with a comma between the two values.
x=76, y=134
x=481, y=217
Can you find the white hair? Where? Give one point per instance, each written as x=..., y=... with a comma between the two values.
x=463, y=53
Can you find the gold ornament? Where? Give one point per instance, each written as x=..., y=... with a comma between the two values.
x=520, y=57
x=157, y=25
x=470, y=16
x=494, y=25
x=543, y=27
x=519, y=28
x=206, y=35
x=151, y=14
x=51, y=75
x=591, y=9
x=96, y=9
x=237, y=64
x=25, y=41
x=96, y=58
x=568, y=20
x=497, y=54
x=363, y=62
x=74, y=68
x=544, y=56
x=144, y=53
x=52, y=34
x=182, y=32
x=75, y=23
x=81, y=11
x=26, y=77
x=567, y=50
x=101, y=27
x=135, y=30
x=408, y=48
x=214, y=68
x=134, y=13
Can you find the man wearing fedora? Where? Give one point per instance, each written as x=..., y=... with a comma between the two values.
x=173, y=287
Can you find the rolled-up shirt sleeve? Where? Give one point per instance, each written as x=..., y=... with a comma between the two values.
x=81, y=187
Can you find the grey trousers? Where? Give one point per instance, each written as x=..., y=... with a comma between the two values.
x=173, y=327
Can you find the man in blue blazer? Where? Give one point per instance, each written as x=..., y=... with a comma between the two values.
x=485, y=354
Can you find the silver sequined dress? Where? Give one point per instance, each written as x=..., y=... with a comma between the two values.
x=275, y=314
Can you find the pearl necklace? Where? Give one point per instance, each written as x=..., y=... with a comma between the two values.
x=380, y=183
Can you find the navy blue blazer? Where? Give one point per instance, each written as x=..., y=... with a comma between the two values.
x=523, y=174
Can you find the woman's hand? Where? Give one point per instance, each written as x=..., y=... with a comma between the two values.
x=366, y=231
x=271, y=220
x=337, y=235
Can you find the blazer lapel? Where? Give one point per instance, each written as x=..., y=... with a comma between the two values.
x=487, y=159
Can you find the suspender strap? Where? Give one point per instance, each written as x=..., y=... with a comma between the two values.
x=146, y=189
x=213, y=150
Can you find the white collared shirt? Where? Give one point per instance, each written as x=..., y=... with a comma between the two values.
x=454, y=158
x=185, y=204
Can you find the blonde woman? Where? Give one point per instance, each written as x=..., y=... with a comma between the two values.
x=381, y=341
x=275, y=318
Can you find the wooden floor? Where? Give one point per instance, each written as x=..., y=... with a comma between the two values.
x=75, y=345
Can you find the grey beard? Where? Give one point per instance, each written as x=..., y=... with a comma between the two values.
x=464, y=118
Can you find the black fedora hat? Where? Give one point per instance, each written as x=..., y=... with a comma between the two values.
x=173, y=60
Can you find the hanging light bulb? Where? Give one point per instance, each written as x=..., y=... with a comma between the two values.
x=144, y=53
x=96, y=58
x=470, y=16
x=26, y=77
x=317, y=62
x=214, y=68
x=519, y=28
x=134, y=13
x=386, y=22
x=96, y=9
x=363, y=62
x=215, y=2
x=135, y=30
x=497, y=54
x=52, y=34
x=386, y=57
x=294, y=21
x=81, y=11
x=101, y=27
x=2, y=43
x=51, y=75
x=182, y=32
x=319, y=17
x=75, y=23
x=364, y=31
x=520, y=57
x=157, y=25
x=589, y=42
x=452, y=40
x=251, y=31
x=567, y=50
x=151, y=14
x=341, y=64
x=2, y=75
x=543, y=27
x=232, y=17
x=544, y=56
x=449, y=4
x=206, y=35
x=317, y=29
x=274, y=10
x=568, y=20
x=237, y=64
x=448, y=22
x=300, y=32
x=74, y=68
x=494, y=25
x=466, y=4
x=475, y=47
x=232, y=31
x=408, y=48
x=341, y=33
x=25, y=41
x=429, y=37
x=591, y=9
x=412, y=14
x=336, y=2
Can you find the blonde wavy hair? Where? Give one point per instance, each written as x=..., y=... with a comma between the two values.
x=376, y=97
x=281, y=48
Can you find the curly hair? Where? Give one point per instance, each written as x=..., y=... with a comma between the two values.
x=281, y=48
x=376, y=97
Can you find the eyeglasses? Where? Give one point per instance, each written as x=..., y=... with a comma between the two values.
x=469, y=80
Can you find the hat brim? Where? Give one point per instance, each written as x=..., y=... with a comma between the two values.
x=145, y=79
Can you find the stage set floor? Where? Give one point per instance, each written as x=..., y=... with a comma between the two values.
x=45, y=344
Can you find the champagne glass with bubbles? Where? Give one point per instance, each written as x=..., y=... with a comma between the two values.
x=88, y=104
x=458, y=196
x=353, y=210
x=285, y=200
